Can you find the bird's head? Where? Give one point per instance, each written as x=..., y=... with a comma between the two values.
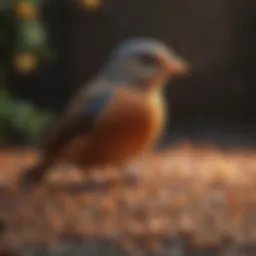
x=146, y=62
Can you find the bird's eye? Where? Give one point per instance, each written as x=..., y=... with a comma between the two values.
x=147, y=59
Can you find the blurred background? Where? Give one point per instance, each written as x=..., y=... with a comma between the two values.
x=48, y=48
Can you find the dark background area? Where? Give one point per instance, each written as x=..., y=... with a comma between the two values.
x=216, y=36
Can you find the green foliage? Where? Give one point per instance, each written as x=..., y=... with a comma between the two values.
x=22, y=44
x=6, y=5
x=31, y=36
x=22, y=118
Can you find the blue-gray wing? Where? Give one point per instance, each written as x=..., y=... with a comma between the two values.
x=85, y=109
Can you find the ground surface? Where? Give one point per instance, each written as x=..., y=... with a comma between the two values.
x=204, y=192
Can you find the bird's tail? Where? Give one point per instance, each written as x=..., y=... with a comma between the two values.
x=33, y=176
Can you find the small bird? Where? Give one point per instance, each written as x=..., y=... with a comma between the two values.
x=118, y=116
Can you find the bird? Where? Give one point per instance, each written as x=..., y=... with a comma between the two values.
x=118, y=115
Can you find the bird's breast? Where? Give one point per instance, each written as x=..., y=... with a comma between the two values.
x=129, y=125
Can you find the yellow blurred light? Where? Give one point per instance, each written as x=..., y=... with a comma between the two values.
x=25, y=62
x=25, y=10
x=91, y=4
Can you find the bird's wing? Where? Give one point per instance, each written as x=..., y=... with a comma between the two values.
x=79, y=118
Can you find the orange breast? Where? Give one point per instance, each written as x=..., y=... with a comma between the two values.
x=129, y=126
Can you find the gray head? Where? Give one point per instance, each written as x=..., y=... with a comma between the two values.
x=146, y=62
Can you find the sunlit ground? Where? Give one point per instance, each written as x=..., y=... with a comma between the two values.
x=207, y=192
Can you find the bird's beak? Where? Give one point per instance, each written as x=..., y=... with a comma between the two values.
x=178, y=67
